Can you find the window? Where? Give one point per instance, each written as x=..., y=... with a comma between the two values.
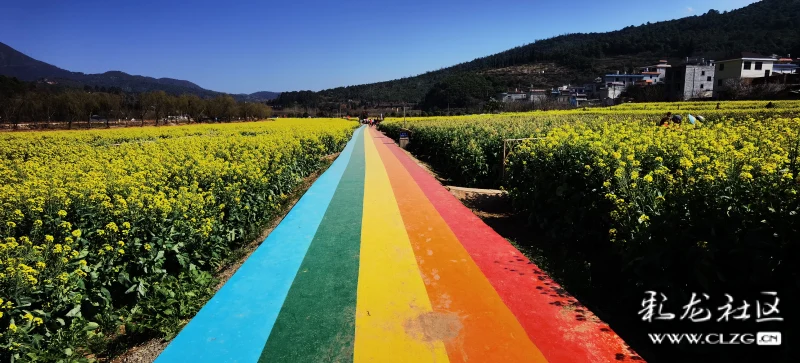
x=719, y=82
x=617, y=79
x=708, y=78
x=722, y=66
x=747, y=65
x=703, y=73
x=701, y=86
x=759, y=65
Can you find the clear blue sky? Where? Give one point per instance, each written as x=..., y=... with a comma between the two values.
x=247, y=46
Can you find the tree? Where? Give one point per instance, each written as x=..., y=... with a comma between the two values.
x=72, y=105
x=156, y=102
x=736, y=88
x=492, y=106
x=193, y=106
x=89, y=105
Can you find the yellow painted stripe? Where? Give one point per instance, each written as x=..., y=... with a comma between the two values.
x=393, y=312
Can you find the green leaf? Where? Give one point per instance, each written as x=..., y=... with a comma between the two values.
x=91, y=326
x=76, y=311
x=130, y=289
x=68, y=352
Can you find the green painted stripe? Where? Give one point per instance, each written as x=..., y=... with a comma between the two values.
x=317, y=320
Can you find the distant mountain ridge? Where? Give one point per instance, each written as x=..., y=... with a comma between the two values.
x=766, y=26
x=14, y=63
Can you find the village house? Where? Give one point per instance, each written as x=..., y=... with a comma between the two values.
x=537, y=95
x=578, y=98
x=693, y=79
x=785, y=66
x=626, y=80
x=744, y=65
x=512, y=96
x=659, y=70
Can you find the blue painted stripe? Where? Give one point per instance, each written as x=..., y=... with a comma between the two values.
x=234, y=325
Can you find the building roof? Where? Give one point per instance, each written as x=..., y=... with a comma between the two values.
x=746, y=55
x=626, y=75
x=657, y=66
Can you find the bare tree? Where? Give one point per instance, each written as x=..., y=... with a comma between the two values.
x=736, y=88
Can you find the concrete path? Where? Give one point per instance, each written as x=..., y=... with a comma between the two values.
x=378, y=262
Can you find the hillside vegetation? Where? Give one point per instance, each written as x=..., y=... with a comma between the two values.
x=768, y=26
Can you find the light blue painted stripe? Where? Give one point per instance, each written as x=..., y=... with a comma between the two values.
x=234, y=325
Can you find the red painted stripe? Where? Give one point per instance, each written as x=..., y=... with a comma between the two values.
x=546, y=312
x=457, y=288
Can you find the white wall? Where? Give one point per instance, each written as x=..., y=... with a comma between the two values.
x=735, y=69
x=753, y=73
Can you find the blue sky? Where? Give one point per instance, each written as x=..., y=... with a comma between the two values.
x=248, y=46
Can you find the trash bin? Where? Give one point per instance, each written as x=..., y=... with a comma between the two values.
x=404, y=139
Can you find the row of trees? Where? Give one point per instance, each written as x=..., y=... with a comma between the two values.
x=731, y=89
x=36, y=103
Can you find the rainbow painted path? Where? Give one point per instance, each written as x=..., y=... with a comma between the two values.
x=378, y=262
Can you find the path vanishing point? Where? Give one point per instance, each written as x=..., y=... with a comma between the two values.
x=378, y=262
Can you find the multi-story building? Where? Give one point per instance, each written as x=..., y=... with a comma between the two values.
x=659, y=70
x=630, y=79
x=744, y=65
x=693, y=79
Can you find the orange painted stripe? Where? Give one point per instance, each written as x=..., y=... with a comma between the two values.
x=563, y=329
x=469, y=315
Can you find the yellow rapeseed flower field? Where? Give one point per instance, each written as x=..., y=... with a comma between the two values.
x=126, y=227
x=708, y=208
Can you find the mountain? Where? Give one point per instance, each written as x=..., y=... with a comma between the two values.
x=767, y=26
x=16, y=64
x=257, y=97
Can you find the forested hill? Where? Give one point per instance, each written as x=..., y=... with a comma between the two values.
x=768, y=26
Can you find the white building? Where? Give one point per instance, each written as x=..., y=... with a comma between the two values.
x=512, y=96
x=744, y=66
x=631, y=79
x=659, y=70
x=694, y=79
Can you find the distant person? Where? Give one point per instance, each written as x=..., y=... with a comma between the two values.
x=665, y=120
x=718, y=105
x=692, y=119
x=770, y=105
x=677, y=119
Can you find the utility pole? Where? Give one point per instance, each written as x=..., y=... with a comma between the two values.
x=404, y=117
